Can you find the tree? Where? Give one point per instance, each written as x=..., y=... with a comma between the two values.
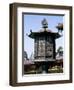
x=60, y=50
x=25, y=55
x=32, y=56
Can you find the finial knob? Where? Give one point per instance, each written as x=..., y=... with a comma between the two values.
x=44, y=23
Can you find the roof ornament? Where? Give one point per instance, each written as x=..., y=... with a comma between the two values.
x=31, y=30
x=44, y=23
x=60, y=28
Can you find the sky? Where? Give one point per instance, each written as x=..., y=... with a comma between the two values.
x=33, y=22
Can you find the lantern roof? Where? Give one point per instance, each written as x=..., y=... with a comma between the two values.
x=44, y=31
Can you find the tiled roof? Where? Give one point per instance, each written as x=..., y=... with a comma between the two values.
x=27, y=62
